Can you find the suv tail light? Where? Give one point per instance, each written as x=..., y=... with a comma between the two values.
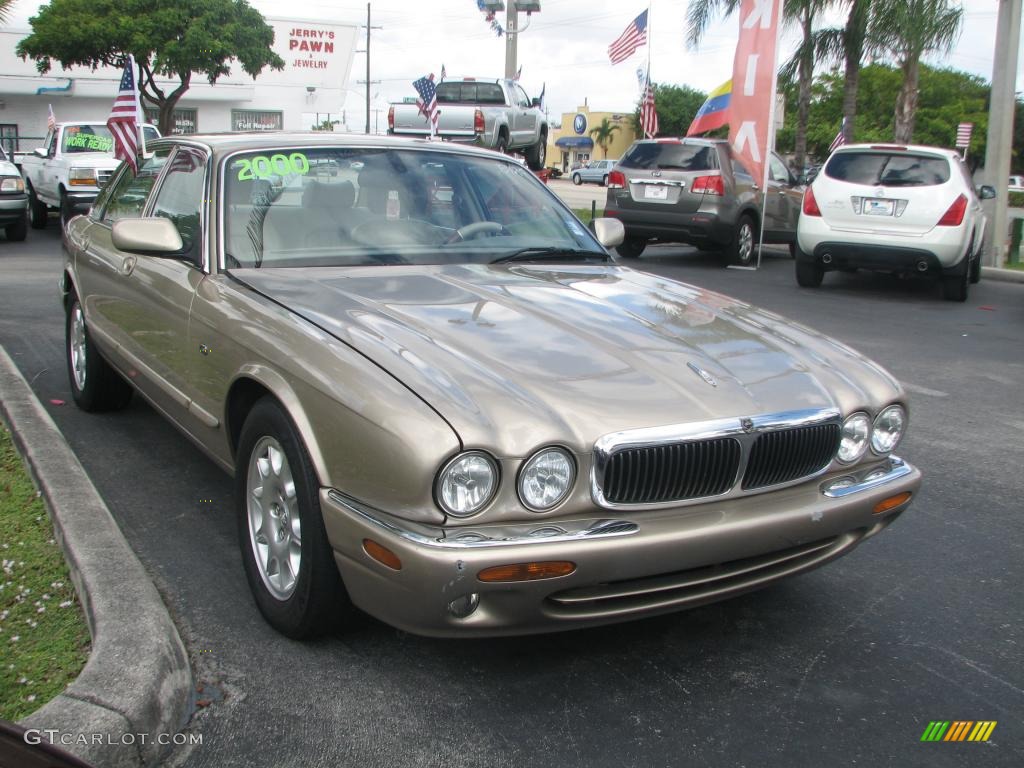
x=709, y=185
x=616, y=180
x=954, y=215
x=810, y=204
x=478, y=121
x=391, y=119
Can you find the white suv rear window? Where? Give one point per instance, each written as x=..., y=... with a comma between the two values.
x=888, y=169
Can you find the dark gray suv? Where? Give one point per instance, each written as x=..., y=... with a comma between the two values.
x=695, y=191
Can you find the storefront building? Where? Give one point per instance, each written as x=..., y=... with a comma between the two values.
x=317, y=55
x=573, y=143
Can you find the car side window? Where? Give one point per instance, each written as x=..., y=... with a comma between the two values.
x=180, y=199
x=740, y=172
x=778, y=170
x=521, y=97
x=48, y=144
x=128, y=198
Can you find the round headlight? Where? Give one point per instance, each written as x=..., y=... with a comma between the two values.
x=546, y=479
x=889, y=427
x=854, y=442
x=467, y=483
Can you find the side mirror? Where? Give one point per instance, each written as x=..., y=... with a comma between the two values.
x=534, y=102
x=154, y=236
x=985, y=192
x=39, y=152
x=609, y=232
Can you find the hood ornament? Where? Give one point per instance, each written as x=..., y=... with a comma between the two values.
x=708, y=378
x=747, y=425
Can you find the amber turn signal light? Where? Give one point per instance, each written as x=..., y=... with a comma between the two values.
x=892, y=502
x=382, y=554
x=527, y=571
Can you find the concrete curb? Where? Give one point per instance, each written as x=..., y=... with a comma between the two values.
x=137, y=684
x=1003, y=275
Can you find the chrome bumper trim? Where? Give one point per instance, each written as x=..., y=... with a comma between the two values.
x=866, y=479
x=486, y=536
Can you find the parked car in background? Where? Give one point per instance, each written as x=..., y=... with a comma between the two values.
x=696, y=191
x=13, y=200
x=1016, y=184
x=893, y=208
x=496, y=114
x=594, y=172
x=67, y=172
x=443, y=402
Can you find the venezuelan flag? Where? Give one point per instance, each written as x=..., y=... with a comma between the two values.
x=714, y=113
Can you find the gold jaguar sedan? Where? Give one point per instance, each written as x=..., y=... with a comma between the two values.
x=445, y=404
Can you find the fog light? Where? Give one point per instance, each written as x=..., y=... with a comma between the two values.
x=551, y=569
x=892, y=502
x=461, y=607
x=382, y=554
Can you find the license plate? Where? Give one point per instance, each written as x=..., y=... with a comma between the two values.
x=652, y=192
x=875, y=207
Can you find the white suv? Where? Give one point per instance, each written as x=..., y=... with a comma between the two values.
x=893, y=208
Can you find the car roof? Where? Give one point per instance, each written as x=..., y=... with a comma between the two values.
x=225, y=143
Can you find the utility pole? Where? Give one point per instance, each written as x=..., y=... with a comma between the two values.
x=368, y=81
x=511, y=38
x=1000, y=127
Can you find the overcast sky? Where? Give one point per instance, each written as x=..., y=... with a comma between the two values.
x=564, y=47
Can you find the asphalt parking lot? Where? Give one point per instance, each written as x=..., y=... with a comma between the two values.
x=843, y=666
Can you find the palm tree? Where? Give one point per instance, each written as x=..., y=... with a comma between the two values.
x=847, y=46
x=908, y=29
x=5, y=6
x=604, y=133
x=801, y=64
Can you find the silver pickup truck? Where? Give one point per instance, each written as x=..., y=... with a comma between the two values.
x=496, y=114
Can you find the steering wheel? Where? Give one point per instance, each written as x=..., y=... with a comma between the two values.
x=476, y=229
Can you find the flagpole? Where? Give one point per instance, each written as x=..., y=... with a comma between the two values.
x=770, y=147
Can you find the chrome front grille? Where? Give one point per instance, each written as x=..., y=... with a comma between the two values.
x=681, y=464
x=788, y=454
x=672, y=472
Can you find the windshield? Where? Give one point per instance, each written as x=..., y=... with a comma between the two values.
x=333, y=206
x=95, y=137
x=888, y=169
x=674, y=156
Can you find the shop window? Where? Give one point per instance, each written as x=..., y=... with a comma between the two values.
x=9, y=138
x=252, y=120
x=185, y=121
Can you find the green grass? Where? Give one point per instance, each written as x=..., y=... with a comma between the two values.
x=1018, y=265
x=1016, y=200
x=44, y=640
x=583, y=214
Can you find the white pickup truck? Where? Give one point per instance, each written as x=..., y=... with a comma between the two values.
x=67, y=172
x=496, y=114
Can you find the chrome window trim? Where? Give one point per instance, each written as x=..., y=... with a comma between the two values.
x=650, y=437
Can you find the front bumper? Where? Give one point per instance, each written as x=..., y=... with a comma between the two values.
x=13, y=207
x=81, y=202
x=635, y=565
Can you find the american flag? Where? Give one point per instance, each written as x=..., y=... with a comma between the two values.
x=51, y=121
x=427, y=102
x=125, y=117
x=519, y=73
x=648, y=113
x=634, y=36
x=444, y=73
x=840, y=138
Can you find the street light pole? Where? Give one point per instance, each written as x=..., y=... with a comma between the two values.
x=1000, y=127
x=511, y=38
x=367, y=69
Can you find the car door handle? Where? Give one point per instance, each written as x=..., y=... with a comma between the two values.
x=128, y=265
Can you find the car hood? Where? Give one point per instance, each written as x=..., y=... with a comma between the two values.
x=92, y=160
x=517, y=356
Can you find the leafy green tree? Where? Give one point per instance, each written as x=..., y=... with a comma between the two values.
x=5, y=7
x=847, y=46
x=604, y=133
x=169, y=38
x=801, y=65
x=908, y=29
x=676, y=106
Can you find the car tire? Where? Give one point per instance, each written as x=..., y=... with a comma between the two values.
x=954, y=287
x=975, y=270
x=809, y=274
x=741, y=251
x=37, y=211
x=17, y=231
x=502, y=144
x=604, y=180
x=95, y=386
x=536, y=154
x=278, y=514
x=577, y=179
x=792, y=250
x=631, y=247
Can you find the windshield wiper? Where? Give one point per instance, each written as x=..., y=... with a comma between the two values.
x=550, y=252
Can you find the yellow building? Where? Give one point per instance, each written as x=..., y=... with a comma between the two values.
x=574, y=143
